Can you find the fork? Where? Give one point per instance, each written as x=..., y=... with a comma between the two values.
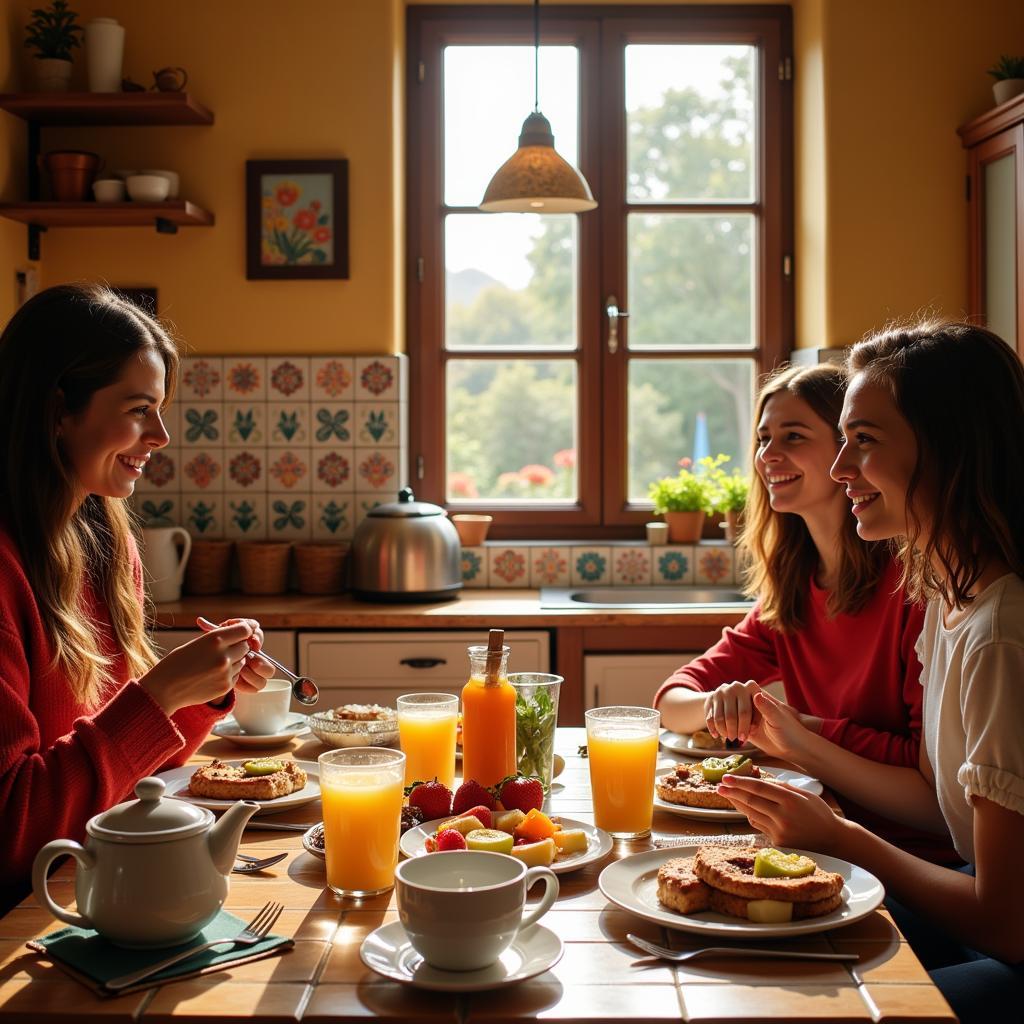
x=256, y=863
x=680, y=956
x=258, y=928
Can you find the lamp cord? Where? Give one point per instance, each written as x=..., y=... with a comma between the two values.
x=536, y=56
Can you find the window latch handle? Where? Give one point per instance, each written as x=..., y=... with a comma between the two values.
x=614, y=314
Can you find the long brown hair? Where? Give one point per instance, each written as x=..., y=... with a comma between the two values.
x=777, y=547
x=61, y=347
x=961, y=389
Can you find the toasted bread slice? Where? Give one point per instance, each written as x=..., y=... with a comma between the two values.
x=680, y=889
x=732, y=872
x=686, y=785
x=221, y=781
x=736, y=906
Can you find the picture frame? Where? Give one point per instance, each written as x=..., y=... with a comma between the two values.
x=296, y=219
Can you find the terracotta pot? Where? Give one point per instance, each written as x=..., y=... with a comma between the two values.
x=72, y=173
x=684, y=527
x=733, y=524
x=53, y=74
x=472, y=530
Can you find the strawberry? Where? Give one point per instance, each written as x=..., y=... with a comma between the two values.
x=434, y=799
x=450, y=839
x=521, y=792
x=481, y=812
x=469, y=794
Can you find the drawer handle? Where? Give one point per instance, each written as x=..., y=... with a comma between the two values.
x=423, y=662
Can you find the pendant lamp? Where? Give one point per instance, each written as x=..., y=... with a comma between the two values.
x=535, y=179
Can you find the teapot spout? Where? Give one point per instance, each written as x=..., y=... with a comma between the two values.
x=224, y=837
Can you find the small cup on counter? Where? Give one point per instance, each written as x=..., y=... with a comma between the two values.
x=108, y=190
x=472, y=529
x=657, y=534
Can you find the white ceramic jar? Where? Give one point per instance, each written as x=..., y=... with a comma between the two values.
x=104, y=51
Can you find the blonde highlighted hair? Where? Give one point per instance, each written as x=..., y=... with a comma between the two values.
x=61, y=347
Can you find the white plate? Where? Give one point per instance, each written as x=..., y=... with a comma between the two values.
x=682, y=743
x=176, y=781
x=389, y=952
x=804, y=782
x=599, y=843
x=307, y=841
x=229, y=729
x=632, y=883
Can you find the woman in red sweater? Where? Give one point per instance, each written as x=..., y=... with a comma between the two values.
x=86, y=707
x=831, y=620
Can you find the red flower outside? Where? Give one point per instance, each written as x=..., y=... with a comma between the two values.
x=536, y=474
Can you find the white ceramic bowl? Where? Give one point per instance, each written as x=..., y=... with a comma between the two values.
x=122, y=174
x=108, y=190
x=172, y=181
x=147, y=188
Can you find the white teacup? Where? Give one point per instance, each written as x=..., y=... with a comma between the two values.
x=266, y=712
x=461, y=910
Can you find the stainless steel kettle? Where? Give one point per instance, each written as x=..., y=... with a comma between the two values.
x=406, y=551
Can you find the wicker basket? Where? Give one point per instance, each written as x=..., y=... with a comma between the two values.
x=263, y=566
x=208, y=568
x=321, y=567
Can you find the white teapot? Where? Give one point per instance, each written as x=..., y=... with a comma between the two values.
x=164, y=563
x=152, y=872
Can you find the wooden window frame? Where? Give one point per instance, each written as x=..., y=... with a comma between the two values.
x=602, y=509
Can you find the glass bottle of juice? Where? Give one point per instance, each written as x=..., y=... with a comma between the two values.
x=488, y=715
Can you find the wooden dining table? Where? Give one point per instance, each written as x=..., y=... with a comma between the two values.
x=601, y=977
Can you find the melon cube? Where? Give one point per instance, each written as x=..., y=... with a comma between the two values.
x=534, y=855
x=570, y=840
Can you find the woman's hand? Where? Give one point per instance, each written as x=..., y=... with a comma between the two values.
x=778, y=730
x=255, y=670
x=730, y=712
x=202, y=670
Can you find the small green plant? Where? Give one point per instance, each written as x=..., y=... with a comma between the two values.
x=732, y=489
x=690, y=490
x=1007, y=67
x=53, y=31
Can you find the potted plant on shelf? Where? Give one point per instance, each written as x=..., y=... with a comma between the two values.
x=53, y=32
x=686, y=498
x=1008, y=73
x=732, y=490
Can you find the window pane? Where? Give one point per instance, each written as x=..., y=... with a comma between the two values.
x=488, y=93
x=511, y=432
x=690, y=123
x=691, y=280
x=510, y=280
x=686, y=408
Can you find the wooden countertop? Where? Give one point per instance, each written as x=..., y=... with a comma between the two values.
x=515, y=609
x=598, y=978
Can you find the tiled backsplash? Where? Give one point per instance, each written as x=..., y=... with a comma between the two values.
x=296, y=447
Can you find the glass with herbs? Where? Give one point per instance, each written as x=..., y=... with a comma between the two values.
x=536, y=718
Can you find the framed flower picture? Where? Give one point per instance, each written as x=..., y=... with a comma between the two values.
x=296, y=219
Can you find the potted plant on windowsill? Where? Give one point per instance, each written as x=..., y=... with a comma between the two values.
x=732, y=489
x=53, y=33
x=685, y=499
x=1008, y=73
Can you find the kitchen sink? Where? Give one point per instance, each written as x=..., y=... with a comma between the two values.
x=642, y=597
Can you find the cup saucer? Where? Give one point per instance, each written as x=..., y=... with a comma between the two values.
x=389, y=952
x=229, y=729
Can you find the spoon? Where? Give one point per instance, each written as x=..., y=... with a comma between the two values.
x=304, y=690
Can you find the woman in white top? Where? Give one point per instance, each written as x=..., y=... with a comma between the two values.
x=933, y=424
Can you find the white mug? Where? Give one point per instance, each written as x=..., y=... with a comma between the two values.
x=266, y=712
x=461, y=910
x=165, y=567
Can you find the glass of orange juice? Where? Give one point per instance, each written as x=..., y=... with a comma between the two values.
x=622, y=748
x=426, y=728
x=361, y=789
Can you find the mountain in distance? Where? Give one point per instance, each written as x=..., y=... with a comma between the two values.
x=463, y=286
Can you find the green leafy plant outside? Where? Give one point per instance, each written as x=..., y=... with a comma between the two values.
x=1007, y=67
x=53, y=31
x=732, y=489
x=690, y=490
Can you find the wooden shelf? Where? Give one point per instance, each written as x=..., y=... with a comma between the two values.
x=177, y=212
x=134, y=108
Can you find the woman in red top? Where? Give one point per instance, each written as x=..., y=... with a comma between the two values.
x=86, y=707
x=831, y=621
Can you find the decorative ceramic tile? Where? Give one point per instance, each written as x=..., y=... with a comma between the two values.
x=474, y=567
x=333, y=471
x=376, y=378
x=202, y=514
x=508, y=567
x=332, y=379
x=289, y=469
x=377, y=423
x=289, y=516
x=631, y=566
x=549, y=567
x=590, y=565
x=714, y=563
x=672, y=564
x=246, y=516
x=202, y=470
x=158, y=509
x=288, y=424
x=245, y=423
x=288, y=379
x=245, y=378
x=202, y=425
x=377, y=470
x=365, y=502
x=202, y=379
x=333, y=517
x=330, y=424
x=160, y=474
x=246, y=470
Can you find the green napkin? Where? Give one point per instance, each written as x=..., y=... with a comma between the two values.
x=92, y=960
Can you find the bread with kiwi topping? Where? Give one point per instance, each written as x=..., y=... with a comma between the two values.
x=732, y=872
x=221, y=781
x=687, y=786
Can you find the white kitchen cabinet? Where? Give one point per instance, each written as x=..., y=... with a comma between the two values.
x=628, y=679
x=380, y=666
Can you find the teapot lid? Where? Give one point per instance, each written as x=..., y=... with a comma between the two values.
x=153, y=818
x=407, y=507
